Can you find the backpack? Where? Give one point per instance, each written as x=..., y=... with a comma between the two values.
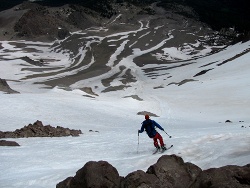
x=149, y=128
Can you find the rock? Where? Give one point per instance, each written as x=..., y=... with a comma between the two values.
x=170, y=171
x=93, y=174
x=140, y=179
x=37, y=129
x=32, y=62
x=173, y=172
x=8, y=143
x=62, y=34
x=228, y=121
x=224, y=177
x=5, y=87
x=67, y=183
x=146, y=112
x=2, y=134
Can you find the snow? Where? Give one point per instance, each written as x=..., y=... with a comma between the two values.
x=194, y=114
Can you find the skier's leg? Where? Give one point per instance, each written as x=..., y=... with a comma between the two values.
x=155, y=142
x=159, y=137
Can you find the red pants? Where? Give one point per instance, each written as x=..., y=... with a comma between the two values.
x=156, y=138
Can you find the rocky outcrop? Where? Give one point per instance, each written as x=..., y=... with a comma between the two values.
x=5, y=87
x=37, y=129
x=168, y=172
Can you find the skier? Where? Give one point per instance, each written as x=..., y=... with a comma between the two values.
x=149, y=126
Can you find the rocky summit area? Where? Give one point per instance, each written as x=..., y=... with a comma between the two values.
x=170, y=171
x=50, y=20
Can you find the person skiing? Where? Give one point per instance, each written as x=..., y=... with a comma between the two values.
x=149, y=126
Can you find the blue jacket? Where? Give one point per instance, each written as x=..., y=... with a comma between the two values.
x=149, y=126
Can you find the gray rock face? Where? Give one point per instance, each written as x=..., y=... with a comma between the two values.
x=169, y=172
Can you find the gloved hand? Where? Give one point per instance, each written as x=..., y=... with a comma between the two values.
x=139, y=131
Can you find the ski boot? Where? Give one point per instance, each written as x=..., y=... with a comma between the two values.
x=163, y=148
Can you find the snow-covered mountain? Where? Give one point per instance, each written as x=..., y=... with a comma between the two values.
x=101, y=78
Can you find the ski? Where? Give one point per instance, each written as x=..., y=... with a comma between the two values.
x=162, y=151
x=167, y=149
x=156, y=151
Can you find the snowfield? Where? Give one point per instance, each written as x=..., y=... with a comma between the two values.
x=193, y=113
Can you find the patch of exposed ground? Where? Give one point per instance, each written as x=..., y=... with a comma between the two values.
x=136, y=97
x=89, y=91
x=235, y=57
x=208, y=64
x=158, y=87
x=115, y=88
x=4, y=87
x=202, y=72
x=182, y=82
x=146, y=112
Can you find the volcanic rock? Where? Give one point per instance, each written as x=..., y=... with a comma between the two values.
x=93, y=174
x=8, y=143
x=37, y=129
x=173, y=172
x=140, y=179
x=5, y=87
x=169, y=172
x=227, y=177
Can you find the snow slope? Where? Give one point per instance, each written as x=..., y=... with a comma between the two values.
x=193, y=113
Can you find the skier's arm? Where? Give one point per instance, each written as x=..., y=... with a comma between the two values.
x=142, y=129
x=157, y=125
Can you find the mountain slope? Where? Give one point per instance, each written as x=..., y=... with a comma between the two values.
x=128, y=47
x=193, y=113
x=103, y=78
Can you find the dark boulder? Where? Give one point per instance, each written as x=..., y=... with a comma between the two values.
x=140, y=179
x=8, y=143
x=93, y=174
x=224, y=177
x=170, y=171
x=173, y=172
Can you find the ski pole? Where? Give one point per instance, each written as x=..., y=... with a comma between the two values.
x=138, y=137
x=168, y=134
x=138, y=142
